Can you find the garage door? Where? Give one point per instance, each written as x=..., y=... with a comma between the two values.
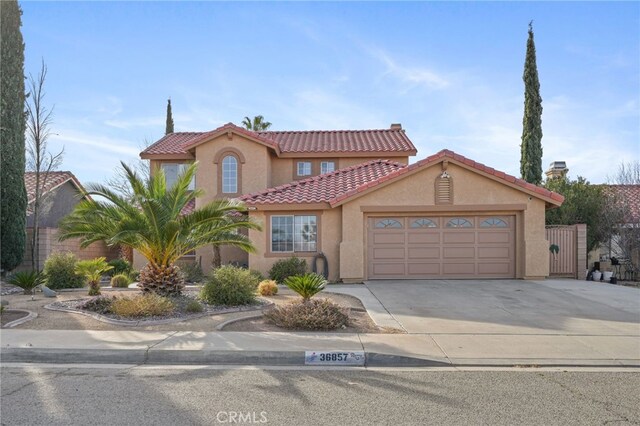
x=441, y=247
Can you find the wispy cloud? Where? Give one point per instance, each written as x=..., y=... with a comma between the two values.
x=126, y=124
x=411, y=75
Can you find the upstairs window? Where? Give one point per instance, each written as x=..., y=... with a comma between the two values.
x=173, y=170
x=304, y=168
x=229, y=175
x=327, y=167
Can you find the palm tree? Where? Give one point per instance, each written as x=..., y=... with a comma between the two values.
x=257, y=124
x=152, y=223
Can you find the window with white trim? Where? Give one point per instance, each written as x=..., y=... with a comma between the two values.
x=327, y=167
x=229, y=175
x=304, y=168
x=173, y=170
x=294, y=234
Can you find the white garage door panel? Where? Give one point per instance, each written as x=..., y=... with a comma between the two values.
x=425, y=247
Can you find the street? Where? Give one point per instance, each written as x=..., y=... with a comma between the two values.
x=127, y=395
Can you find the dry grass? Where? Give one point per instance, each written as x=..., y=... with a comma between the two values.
x=146, y=305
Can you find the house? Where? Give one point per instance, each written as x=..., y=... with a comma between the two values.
x=61, y=193
x=352, y=196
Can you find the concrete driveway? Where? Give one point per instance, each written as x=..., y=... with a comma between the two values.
x=554, y=307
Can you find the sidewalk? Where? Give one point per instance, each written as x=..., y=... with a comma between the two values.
x=246, y=348
x=602, y=343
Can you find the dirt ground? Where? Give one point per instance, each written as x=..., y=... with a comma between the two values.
x=56, y=320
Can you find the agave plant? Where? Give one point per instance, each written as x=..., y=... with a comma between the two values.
x=27, y=280
x=307, y=285
x=152, y=222
x=92, y=270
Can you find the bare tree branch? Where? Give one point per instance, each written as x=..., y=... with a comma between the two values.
x=39, y=160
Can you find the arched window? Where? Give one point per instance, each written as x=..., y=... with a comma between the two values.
x=458, y=222
x=423, y=223
x=494, y=222
x=230, y=175
x=388, y=223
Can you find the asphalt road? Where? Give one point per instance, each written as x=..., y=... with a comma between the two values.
x=45, y=395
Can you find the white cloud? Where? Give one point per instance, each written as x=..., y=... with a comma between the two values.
x=411, y=75
x=126, y=124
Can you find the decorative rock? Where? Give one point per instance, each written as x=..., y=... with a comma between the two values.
x=48, y=292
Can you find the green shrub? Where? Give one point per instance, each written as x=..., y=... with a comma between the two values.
x=192, y=272
x=230, y=286
x=120, y=281
x=92, y=270
x=318, y=314
x=98, y=304
x=120, y=266
x=134, y=275
x=194, y=307
x=27, y=280
x=257, y=275
x=268, y=288
x=60, y=271
x=307, y=285
x=144, y=305
x=2, y=309
x=284, y=268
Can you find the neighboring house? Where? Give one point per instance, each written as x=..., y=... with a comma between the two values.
x=60, y=196
x=352, y=196
x=626, y=247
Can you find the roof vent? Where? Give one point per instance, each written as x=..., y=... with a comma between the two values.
x=396, y=126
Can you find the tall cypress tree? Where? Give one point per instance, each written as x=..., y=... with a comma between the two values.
x=531, y=148
x=169, y=127
x=13, y=196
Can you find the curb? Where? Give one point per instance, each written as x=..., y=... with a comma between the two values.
x=29, y=317
x=150, y=356
x=221, y=326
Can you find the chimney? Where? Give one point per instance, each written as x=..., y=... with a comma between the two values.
x=557, y=169
x=396, y=126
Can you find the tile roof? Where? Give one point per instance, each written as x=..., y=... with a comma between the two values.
x=311, y=141
x=54, y=180
x=188, y=208
x=338, y=141
x=325, y=188
x=337, y=187
x=629, y=197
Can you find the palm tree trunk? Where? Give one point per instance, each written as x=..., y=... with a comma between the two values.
x=217, y=258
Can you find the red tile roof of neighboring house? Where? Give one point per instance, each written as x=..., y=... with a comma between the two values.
x=54, y=180
x=311, y=141
x=327, y=187
x=341, y=185
x=629, y=197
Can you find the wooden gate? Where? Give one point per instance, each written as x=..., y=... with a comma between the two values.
x=567, y=250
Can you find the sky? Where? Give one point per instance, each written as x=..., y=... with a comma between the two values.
x=449, y=72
